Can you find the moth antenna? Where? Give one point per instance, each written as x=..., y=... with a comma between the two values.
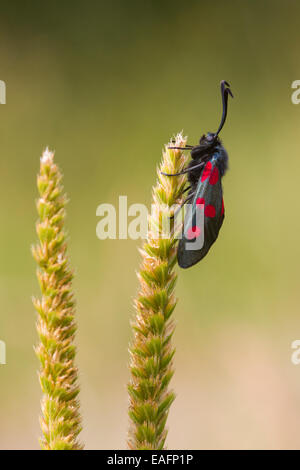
x=225, y=91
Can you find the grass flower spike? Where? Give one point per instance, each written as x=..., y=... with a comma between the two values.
x=152, y=352
x=60, y=421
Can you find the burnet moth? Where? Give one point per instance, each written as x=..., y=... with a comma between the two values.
x=205, y=194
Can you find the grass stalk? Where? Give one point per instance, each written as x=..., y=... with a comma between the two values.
x=56, y=327
x=151, y=352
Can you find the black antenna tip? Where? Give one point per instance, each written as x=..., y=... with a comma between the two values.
x=225, y=88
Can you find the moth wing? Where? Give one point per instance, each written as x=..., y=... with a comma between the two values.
x=203, y=219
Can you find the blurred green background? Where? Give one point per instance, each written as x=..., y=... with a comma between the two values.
x=106, y=84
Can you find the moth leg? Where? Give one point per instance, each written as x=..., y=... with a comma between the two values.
x=174, y=142
x=187, y=147
x=186, y=189
x=186, y=170
x=190, y=196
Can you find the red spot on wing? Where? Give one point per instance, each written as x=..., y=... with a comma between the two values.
x=200, y=201
x=206, y=171
x=214, y=176
x=223, y=209
x=210, y=211
x=193, y=232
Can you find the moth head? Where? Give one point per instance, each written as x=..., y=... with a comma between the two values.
x=209, y=140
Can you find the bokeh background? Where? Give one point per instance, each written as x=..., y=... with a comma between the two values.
x=106, y=84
